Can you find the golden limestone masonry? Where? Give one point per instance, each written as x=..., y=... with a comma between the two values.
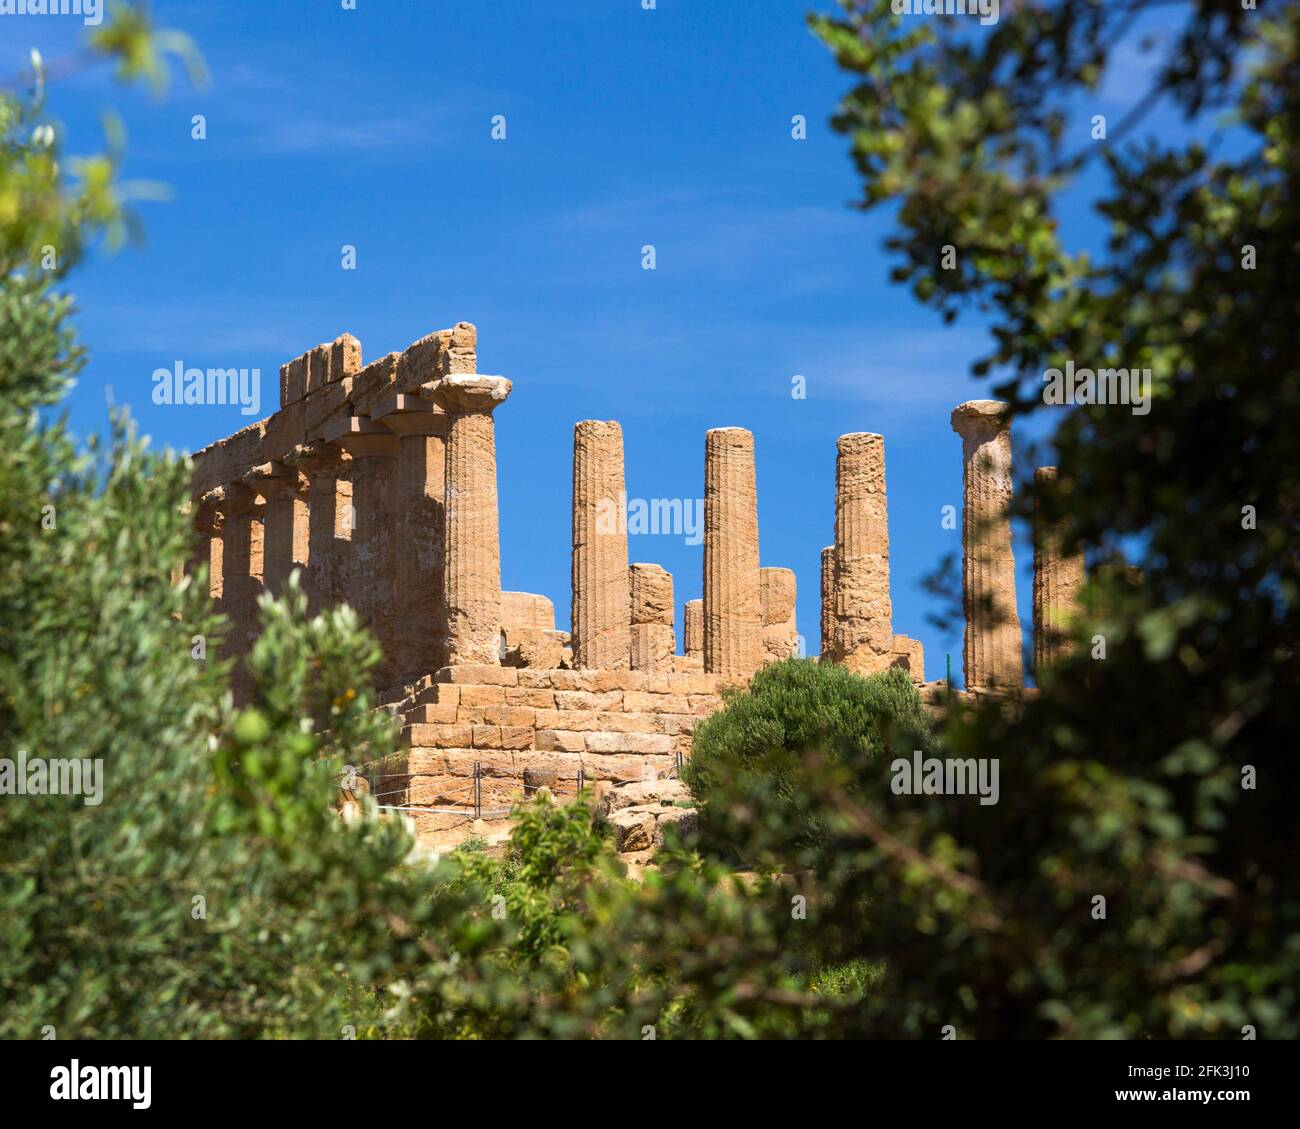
x=378, y=482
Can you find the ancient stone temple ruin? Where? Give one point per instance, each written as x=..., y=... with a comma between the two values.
x=378, y=481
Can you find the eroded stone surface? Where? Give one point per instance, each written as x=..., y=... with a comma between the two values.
x=1058, y=578
x=992, y=643
x=601, y=596
x=472, y=560
x=864, y=635
x=733, y=612
x=653, y=640
x=780, y=632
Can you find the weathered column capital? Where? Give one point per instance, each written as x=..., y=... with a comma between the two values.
x=237, y=499
x=465, y=392
x=980, y=418
x=362, y=438
x=320, y=460
x=207, y=516
x=404, y=414
x=276, y=480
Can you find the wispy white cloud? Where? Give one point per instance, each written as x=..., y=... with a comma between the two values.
x=182, y=331
x=276, y=114
x=897, y=373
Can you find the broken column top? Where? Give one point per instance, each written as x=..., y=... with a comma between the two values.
x=468, y=392
x=975, y=413
x=778, y=594
x=652, y=594
x=527, y=611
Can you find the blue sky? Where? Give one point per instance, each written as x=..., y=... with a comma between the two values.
x=625, y=127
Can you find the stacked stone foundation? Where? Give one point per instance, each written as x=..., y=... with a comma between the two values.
x=496, y=724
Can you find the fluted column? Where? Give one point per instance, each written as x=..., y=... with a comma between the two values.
x=472, y=581
x=992, y=645
x=600, y=613
x=1057, y=581
x=421, y=532
x=653, y=639
x=286, y=524
x=780, y=632
x=242, y=558
x=329, y=532
x=828, y=604
x=864, y=633
x=733, y=612
x=374, y=452
x=693, y=629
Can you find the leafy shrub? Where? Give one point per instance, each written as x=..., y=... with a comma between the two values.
x=756, y=745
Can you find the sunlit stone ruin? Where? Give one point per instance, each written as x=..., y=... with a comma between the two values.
x=378, y=482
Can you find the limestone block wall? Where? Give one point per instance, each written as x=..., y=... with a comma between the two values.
x=612, y=725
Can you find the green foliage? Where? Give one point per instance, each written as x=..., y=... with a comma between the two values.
x=1125, y=777
x=555, y=941
x=212, y=892
x=752, y=752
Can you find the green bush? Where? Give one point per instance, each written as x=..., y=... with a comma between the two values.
x=758, y=743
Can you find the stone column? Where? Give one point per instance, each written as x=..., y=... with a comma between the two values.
x=992, y=642
x=1057, y=581
x=780, y=632
x=864, y=634
x=472, y=582
x=693, y=629
x=242, y=557
x=733, y=611
x=421, y=532
x=209, y=523
x=329, y=521
x=600, y=614
x=653, y=640
x=286, y=525
x=374, y=486
x=828, y=604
